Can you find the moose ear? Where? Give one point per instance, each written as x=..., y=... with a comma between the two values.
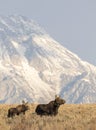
x=26, y=103
x=56, y=96
x=23, y=102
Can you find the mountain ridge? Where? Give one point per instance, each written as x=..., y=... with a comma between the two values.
x=34, y=67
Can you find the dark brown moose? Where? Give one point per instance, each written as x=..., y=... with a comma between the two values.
x=18, y=110
x=51, y=108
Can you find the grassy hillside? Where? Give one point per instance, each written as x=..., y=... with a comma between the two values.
x=70, y=117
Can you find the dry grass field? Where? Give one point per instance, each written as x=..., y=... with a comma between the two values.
x=70, y=117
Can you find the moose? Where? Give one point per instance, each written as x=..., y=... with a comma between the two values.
x=50, y=109
x=22, y=108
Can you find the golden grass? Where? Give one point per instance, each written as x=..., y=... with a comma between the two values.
x=70, y=117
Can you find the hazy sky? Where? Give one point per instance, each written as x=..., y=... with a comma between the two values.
x=71, y=22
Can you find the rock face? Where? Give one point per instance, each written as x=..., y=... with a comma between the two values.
x=34, y=67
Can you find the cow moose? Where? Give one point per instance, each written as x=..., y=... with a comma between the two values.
x=50, y=109
x=18, y=110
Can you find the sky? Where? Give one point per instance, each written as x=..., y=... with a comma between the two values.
x=70, y=22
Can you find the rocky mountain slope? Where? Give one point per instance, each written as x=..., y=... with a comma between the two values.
x=34, y=67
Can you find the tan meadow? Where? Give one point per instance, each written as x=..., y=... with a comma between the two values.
x=70, y=117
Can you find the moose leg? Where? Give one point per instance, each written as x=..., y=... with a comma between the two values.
x=24, y=112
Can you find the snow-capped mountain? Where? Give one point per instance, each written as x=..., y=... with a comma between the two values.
x=34, y=67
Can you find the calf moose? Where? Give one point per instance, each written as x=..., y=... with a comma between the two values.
x=18, y=110
x=51, y=108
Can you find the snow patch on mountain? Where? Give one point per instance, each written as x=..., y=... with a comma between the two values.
x=34, y=67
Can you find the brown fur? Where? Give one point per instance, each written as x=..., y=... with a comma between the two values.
x=21, y=109
x=12, y=112
x=51, y=108
x=17, y=110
